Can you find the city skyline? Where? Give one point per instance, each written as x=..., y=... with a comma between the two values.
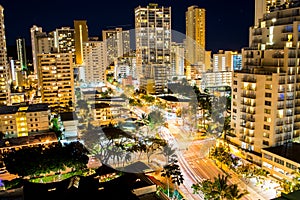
x=227, y=29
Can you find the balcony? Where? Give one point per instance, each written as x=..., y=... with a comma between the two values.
x=248, y=95
x=279, y=107
x=249, y=141
x=297, y=119
x=257, y=32
x=248, y=103
x=249, y=55
x=279, y=123
x=281, y=82
x=244, y=110
x=248, y=126
x=249, y=79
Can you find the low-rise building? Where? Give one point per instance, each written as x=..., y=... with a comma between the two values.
x=281, y=161
x=104, y=113
x=23, y=120
x=70, y=123
x=9, y=144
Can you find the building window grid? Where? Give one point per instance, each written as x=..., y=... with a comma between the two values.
x=279, y=161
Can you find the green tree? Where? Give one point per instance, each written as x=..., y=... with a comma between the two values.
x=218, y=189
x=172, y=172
x=156, y=119
x=34, y=161
x=169, y=153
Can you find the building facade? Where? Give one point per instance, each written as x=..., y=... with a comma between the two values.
x=81, y=36
x=4, y=68
x=55, y=74
x=195, y=35
x=21, y=52
x=153, y=45
x=94, y=62
x=64, y=41
x=117, y=43
x=18, y=121
x=266, y=92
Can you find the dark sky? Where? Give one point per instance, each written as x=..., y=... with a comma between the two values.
x=227, y=22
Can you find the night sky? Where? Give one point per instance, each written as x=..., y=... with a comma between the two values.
x=227, y=22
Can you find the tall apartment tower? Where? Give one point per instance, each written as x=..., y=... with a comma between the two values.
x=177, y=60
x=56, y=78
x=34, y=32
x=266, y=92
x=153, y=46
x=21, y=51
x=195, y=35
x=64, y=40
x=81, y=36
x=266, y=6
x=117, y=43
x=4, y=68
x=94, y=62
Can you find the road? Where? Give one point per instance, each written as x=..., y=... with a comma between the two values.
x=195, y=165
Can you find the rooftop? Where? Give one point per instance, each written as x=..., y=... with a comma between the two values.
x=27, y=140
x=173, y=99
x=23, y=108
x=68, y=116
x=286, y=151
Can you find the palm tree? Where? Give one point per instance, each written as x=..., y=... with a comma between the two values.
x=169, y=153
x=145, y=121
x=218, y=189
x=221, y=186
x=227, y=128
x=234, y=193
x=172, y=171
x=291, y=186
x=204, y=103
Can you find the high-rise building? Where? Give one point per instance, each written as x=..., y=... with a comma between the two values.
x=117, y=43
x=21, y=51
x=34, y=32
x=266, y=92
x=55, y=74
x=17, y=74
x=219, y=75
x=45, y=43
x=81, y=36
x=153, y=46
x=177, y=59
x=94, y=62
x=64, y=40
x=266, y=6
x=4, y=68
x=195, y=35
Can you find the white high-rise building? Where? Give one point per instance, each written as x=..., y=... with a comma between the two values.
x=266, y=92
x=4, y=68
x=64, y=40
x=34, y=32
x=266, y=6
x=177, y=57
x=94, y=62
x=117, y=43
x=153, y=46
